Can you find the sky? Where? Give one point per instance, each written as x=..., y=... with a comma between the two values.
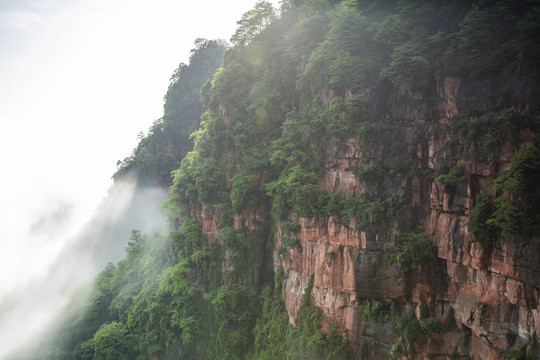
x=79, y=80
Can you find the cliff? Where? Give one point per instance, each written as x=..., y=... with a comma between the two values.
x=363, y=185
x=386, y=183
x=488, y=290
x=482, y=296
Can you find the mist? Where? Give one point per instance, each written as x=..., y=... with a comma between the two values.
x=57, y=260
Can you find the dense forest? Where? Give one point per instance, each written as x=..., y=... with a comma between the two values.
x=243, y=144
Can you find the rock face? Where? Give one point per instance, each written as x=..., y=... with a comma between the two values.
x=485, y=298
x=488, y=296
x=209, y=216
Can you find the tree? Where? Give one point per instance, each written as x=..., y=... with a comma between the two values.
x=475, y=44
x=417, y=248
x=110, y=342
x=522, y=178
x=253, y=22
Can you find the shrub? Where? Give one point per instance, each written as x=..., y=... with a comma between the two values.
x=397, y=350
x=408, y=326
x=507, y=217
x=519, y=214
x=484, y=135
x=290, y=228
x=378, y=311
x=370, y=173
x=289, y=231
x=286, y=244
x=368, y=206
x=456, y=175
x=479, y=228
x=418, y=248
x=430, y=325
x=518, y=352
x=523, y=176
x=339, y=122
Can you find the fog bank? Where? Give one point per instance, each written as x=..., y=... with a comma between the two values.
x=28, y=306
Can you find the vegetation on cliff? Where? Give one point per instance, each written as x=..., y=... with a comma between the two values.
x=168, y=140
x=319, y=73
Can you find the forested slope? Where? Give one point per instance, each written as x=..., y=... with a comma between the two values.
x=363, y=184
x=168, y=140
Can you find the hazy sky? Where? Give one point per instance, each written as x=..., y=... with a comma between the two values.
x=79, y=79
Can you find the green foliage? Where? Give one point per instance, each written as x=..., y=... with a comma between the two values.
x=233, y=316
x=253, y=23
x=271, y=328
x=290, y=228
x=378, y=311
x=507, y=217
x=455, y=176
x=518, y=352
x=334, y=64
x=161, y=150
x=397, y=350
x=519, y=214
x=198, y=180
x=275, y=338
x=191, y=239
x=371, y=173
x=375, y=134
x=478, y=224
x=368, y=207
x=408, y=326
x=409, y=67
x=244, y=192
x=339, y=121
x=294, y=189
x=483, y=135
x=332, y=203
x=289, y=240
x=430, y=325
x=307, y=341
x=110, y=342
x=522, y=179
x=230, y=86
x=96, y=311
x=475, y=41
x=417, y=248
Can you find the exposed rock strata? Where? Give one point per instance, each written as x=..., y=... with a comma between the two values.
x=488, y=297
x=493, y=291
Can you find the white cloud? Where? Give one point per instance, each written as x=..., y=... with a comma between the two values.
x=20, y=20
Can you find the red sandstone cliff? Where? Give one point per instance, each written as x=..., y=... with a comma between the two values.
x=488, y=292
x=487, y=297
